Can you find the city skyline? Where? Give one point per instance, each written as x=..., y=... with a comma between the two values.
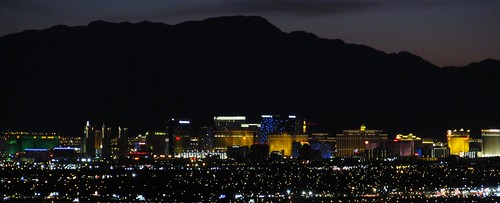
x=261, y=101
x=64, y=75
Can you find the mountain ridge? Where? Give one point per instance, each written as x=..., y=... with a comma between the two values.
x=142, y=73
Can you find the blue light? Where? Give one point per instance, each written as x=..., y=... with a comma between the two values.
x=36, y=150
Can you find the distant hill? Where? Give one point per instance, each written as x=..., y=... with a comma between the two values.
x=139, y=74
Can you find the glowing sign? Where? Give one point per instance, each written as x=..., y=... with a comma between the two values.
x=184, y=122
x=229, y=118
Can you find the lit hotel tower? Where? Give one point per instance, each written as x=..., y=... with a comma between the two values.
x=458, y=142
x=179, y=135
x=491, y=142
x=106, y=142
x=277, y=124
x=122, y=142
x=353, y=142
x=88, y=144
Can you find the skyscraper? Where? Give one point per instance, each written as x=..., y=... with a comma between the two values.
x=179, y=135
x=122, y=142
x=283, y=143
x=106, y=141
x=223, y=123
x=491, y=142
x=88, y=144
x=224, y=139
x=458, y=141
x=352, y=142
x=277, y=124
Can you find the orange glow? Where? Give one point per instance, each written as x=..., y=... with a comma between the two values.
x=366, y=142
x=136, y=158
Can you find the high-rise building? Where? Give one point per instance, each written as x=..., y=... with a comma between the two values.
x=223, y=123
x=408, y=145
x=107, y=135
x=353, y=142
x=122, y=142
x=277, y=124
x=98, y=142
x=227, y=138
x=157, y=142
x=179, y=135
x=88, y=144
x=458, y=141
x=283, y=143
x=22, y=141
x=206, y=138
x=491, y=142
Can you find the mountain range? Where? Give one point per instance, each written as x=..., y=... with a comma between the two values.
x=140, y=74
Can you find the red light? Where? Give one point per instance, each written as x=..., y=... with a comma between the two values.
x=395, y=140
x=177, y=138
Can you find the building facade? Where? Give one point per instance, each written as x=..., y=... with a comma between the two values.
x=353, y=142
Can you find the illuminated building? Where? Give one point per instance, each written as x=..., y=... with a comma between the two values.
x=229, y=122
x=283, y=143
x=157, y=142
x=353, y=142
x=408, y=145
x=206, y=137
x=179, y=136
x=276, y=124
x=458, y=141
x=323, y=143
x=122, y=142
x=65, y=154
x=20, y=141
x=224, y=139
x=88, y=144
x=98, y=142
x=107, y=135
x=440, y=150
x=491, y=142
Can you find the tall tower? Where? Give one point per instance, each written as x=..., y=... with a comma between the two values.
x=122, y=142
x=179, y=135
x=106, y=141
x=88, y=140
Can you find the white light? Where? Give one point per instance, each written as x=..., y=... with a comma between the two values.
x=267, y=116
x=229, y=118
x=292, y=116
x=184, y=122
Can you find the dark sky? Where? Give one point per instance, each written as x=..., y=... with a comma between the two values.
x=445, y=32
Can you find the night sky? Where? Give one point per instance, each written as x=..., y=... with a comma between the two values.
x=445, y=32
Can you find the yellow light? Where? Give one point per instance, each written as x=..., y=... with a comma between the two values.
x=363, y=127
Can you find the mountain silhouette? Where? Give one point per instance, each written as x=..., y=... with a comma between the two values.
x=140, y=74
